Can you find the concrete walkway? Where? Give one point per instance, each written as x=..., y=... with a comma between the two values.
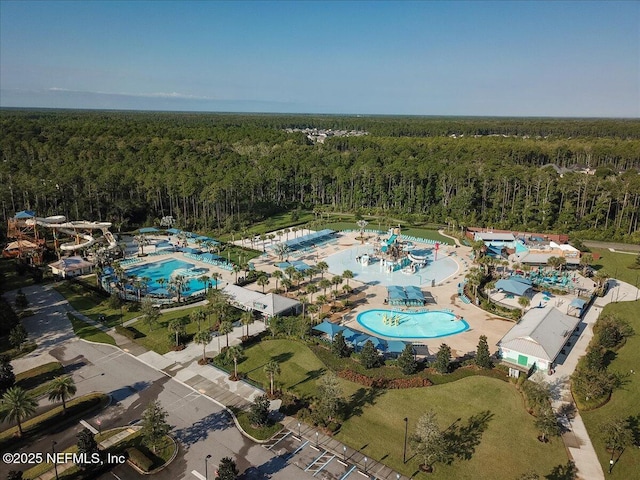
x=576, y=438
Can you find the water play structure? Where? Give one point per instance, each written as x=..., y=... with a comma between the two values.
x=80, y=230
x=29, y=242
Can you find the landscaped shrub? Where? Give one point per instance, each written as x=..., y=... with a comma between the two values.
x=140, y=460
x=378, y=382
x=129, y=332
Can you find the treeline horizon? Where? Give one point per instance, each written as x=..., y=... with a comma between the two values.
x=222, y=172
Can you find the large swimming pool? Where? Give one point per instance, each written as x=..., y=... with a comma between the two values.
x=412, y=325
x=169, y=268
x=435, y=271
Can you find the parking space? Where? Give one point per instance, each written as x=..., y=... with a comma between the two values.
x=311, y=458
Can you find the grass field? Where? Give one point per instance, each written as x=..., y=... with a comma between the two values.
x=157, y=338
x=508, y=446
x=93, y=305
x=300, y=368
x=617, y=265
x=89, y=332
x=375, y=425
x=625, y=402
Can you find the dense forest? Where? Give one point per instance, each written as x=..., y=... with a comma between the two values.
x=220, y=172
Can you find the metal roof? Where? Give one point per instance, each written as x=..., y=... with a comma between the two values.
x=512, y=286
x=542, y=332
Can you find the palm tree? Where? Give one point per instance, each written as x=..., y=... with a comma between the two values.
x=262, y=281
x=335, y=281
x=278, y=275
x=272, y=369
x=178, y=285
x=177, y=326
x=281, y=250
x=290, y=271
x=324, y=284
x=311, y=289
x=287, y=284
x=215, y=276
x=17, y=404
x=234, y=352
x=322, y=267
x=226, y=327
x=247, y=319
x=313, y=309
x=141, y=240
x=203, y=337
x=61, y=389
x=205, y=280
x=236, y=269
x=586, y=259
x=197, y=316
x=297, y=276
x=361, y=224
x=347, y=274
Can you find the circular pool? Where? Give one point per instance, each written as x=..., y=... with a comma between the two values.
x=412, y=325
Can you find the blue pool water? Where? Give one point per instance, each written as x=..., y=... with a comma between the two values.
x=373, y=274
x=413, y=325
x=166, y=269
x=520, y=248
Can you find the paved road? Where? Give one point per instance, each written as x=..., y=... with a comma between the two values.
x=625, y=247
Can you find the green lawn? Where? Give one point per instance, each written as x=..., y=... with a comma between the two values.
x=158, y=338
x=87, y=331
x=300, y=368
x=93, y=305
x=617, y=265
x=508, y=447
x=624, y=402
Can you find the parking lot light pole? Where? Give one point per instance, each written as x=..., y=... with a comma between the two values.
x=55, y=461
x=344, y=453
x=404, y=451
x=206, y=473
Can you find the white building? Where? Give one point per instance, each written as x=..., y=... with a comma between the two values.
x=537, y=339
x=70, y=267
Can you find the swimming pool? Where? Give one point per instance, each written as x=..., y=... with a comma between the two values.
x=520, y=247
x=373, y=274
x=167, y=268
x=412, y=325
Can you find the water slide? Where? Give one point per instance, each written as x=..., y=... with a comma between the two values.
x=60, y=223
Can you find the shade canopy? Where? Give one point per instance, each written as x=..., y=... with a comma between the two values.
x=148, y=230
x=328, y=328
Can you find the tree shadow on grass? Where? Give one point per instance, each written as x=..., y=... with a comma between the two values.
x=311, y=375
x=282, y=357
x=464, y=439
x=360, y=399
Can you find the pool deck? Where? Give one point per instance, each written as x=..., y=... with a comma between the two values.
x=445, y=295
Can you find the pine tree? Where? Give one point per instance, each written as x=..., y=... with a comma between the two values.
x=369, y=355
x=483, y=357
x=259, y=411
x=87, y=444
x=443, y=359
x=154, y=425
x=227, y=469
x=330, y=397
x=339, y=346
x=407, y=362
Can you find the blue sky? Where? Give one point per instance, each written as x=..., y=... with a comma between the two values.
x=527, y=58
